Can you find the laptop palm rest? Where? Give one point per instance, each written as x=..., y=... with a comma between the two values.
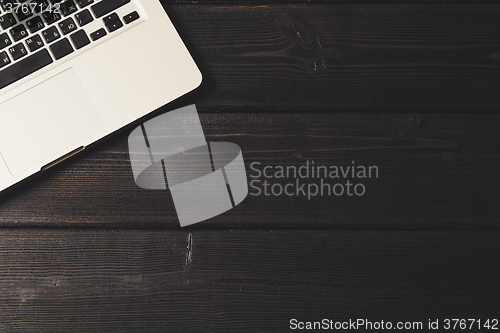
x=35, y=136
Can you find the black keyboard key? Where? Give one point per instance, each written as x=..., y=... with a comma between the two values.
x=131, y=17
x=23, y=12
x=107, y=6
x=24, y=68
x=51, y=17
x=7, y=21
x=98, y=34
x=34, y=43
x=17, y=51
x=40, y=5
x=50, y=35
x=67, y=26
x=4, y=41
x=61, y=49
x=84, y=17
x=112, y=22
x=4, y=60
x=18, y=32
x=68, y=7
x=84, y=3
x=35, y=24
x=80, y=39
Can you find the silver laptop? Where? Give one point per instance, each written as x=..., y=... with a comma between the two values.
x=74, y=71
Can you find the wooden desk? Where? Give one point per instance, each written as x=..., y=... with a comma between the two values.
x=412, y=89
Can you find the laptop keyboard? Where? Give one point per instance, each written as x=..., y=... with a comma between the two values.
x=36, y=33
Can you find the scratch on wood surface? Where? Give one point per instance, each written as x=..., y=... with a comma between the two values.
x=189, y=252
x=298, y=34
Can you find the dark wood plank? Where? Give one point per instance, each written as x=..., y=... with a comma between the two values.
x=246, y=281
x=435, y=171
x=439, y=58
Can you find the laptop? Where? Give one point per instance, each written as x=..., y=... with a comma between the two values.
x=75, y=71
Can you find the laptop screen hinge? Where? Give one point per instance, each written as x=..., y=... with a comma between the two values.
x=60, y=159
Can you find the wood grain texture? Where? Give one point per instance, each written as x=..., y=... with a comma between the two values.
x=435, y=171
x=287, y=83
x=439, y=58
x=266, y=89
x=246, y=281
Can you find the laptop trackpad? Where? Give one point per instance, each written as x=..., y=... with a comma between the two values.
x=45, y=121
